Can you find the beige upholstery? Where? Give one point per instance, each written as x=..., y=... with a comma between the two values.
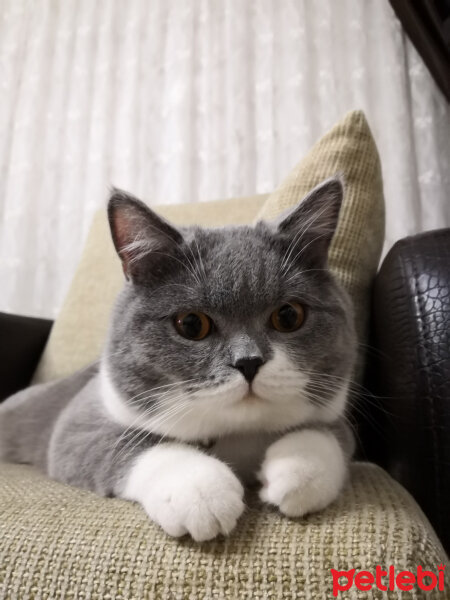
x=58, y=542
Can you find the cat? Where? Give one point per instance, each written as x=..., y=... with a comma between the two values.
x=227, y=362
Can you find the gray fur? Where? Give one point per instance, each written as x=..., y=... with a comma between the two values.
x=237, y=276
x=28, y=418
x=86, y=447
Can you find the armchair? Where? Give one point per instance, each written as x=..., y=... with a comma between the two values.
x=57, y=541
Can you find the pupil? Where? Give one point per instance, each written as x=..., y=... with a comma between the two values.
x=192, y=325
x=287, y=316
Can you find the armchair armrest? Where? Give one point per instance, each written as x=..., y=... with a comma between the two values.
x=22, y=340
x=411, y=318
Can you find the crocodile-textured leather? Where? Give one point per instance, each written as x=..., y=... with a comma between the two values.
x=412, y=334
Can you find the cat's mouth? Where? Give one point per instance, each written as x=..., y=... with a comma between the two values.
x=250, y=396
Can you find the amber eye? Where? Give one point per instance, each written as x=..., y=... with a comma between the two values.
x=193, y=325
x=288, y=317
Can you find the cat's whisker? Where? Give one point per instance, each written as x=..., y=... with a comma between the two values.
x=209, y=409
x=318, y=398
x=197, y=264
x=167, y=416
x=144, y=430
x=303, y=249
x=351, y=382
x=367, y=417
x=133, y=425
x=359, y=393
x=373, y=350
x=138, y=398
x=202, y=265
x=355, y=390
x=165, y=396
x=117, y=353
x=164, y=437
x=141, y=416
x=356, y=406
x=160, y=232
x=192, y=265
x=302, y=232
x=166, y=400
x=301, y=274
x=194, y=275
x=347, y=419
x=326, y=404
x=180, y=285
x=295, y=240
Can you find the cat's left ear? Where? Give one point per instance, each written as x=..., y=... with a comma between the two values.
x=313, y=222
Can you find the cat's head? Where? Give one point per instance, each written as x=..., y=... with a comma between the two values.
x=231, y=329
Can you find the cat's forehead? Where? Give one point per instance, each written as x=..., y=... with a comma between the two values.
x=238, y=252
x=237, y=267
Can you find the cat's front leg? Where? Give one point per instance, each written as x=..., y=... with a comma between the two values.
x=303, y=472
x=185, y=491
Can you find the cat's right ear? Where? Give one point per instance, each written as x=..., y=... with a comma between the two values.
x=311, y=224
x=139, y=233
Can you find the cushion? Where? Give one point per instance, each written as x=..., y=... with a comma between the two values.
x=348, y=149
x=62, y=542
x=77, y=336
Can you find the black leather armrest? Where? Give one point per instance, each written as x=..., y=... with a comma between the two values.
x=22, y=340
x=411, y=317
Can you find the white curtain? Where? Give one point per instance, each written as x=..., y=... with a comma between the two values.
x=190, y=100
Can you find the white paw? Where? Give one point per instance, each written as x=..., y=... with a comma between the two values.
x=303, y=472
x=185, y=491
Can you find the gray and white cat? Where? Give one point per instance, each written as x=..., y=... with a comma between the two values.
x=228, y=359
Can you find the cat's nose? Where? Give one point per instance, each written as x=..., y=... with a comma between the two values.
x=249, y=366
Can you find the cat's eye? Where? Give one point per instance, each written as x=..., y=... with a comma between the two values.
x=288, y=317
x=193, y=325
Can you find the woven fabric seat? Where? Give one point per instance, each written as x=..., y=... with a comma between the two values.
x=61, y=542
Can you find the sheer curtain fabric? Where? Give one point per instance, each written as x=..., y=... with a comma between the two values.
x=194, y=100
